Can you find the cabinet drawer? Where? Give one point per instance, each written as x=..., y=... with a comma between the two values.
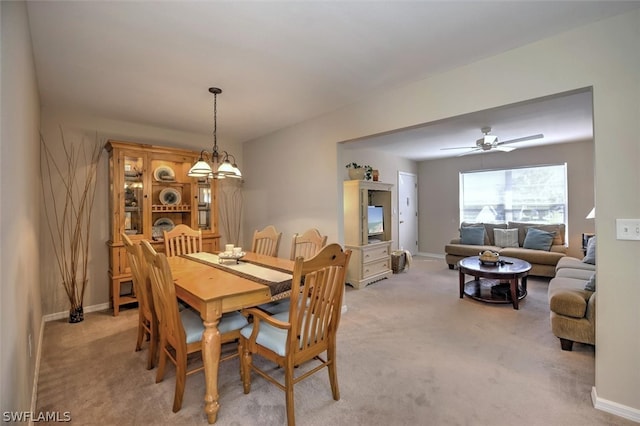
x=375, y=267
x=373, y=253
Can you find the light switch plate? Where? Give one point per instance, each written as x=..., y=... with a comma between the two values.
x=628, y=229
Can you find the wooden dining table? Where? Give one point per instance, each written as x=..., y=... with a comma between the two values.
x=213, y=291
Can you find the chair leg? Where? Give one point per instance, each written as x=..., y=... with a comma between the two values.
x=245, y=361
x=333, y=372
x=162, y=362
x=181, y=378
x=140, y=331
x=153, y=347
x=240, y=353
x=288, y=384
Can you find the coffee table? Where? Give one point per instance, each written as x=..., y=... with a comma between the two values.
x=494, y=283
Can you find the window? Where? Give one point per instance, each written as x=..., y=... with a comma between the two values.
x=527, y=194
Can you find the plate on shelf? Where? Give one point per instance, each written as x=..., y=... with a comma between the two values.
x=170, y=196
x=164, y=222
x=164, y=174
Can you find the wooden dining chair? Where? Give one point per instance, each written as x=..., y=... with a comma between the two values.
x=147, y=319
x=181, y=331
x=307, y=244
x=182, y=240
x=266, y=241
x=306, y=331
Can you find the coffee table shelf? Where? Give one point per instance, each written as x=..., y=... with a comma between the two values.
x=504, y=282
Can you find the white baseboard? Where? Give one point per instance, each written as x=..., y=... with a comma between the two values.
x=65, y=314
x=614, y=407
x=436, y=255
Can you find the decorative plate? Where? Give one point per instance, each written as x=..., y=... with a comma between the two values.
x=170, y=196
x=164, y=174
x=164, y=222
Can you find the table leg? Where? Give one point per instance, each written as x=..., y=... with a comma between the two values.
x=211, y=359
x=524, y=283
x=461, y=274
x=513, y=284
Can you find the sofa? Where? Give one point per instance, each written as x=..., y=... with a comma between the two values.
x=572, y=300
x=513, y=240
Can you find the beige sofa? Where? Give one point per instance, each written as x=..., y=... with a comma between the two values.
x=543, y=263
x=573, y=309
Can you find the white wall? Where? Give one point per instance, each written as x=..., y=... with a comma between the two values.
x=290, y=167
x=439, y=190
x=20, y=306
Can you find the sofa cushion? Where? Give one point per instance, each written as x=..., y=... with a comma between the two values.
x=578, y=274
x=472, y=235
x=490, y=230
x=505, y=237
x=569, y=262
x=558, y=228
x=538, y=239
x=466, y=250
x=467, y=224
x=590, y=257
x=538, y=257
x=591, y=284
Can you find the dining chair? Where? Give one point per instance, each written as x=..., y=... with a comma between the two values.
x=306, y=331
x=147, y=320
x=307, y=244
x=181, y=331
x=266, y=241
x=182, y=240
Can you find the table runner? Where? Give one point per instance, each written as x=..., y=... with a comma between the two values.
x=279, y=282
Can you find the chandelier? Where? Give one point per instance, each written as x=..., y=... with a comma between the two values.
x=215, y=164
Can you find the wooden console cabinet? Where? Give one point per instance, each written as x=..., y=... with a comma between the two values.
x=371, y=254
x=149, y=191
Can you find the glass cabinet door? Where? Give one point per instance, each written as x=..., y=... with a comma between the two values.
x=133, y=195
x=204, y=205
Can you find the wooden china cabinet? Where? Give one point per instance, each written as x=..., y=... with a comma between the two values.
x=149, y=191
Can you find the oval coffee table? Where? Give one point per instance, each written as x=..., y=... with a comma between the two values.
x=494, y=283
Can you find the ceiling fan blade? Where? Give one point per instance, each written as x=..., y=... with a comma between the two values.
x=458, y=147
x=473, y=151
x=526, y=138
x=504, y=148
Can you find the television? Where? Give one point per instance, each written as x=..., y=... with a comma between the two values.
x=376, y=220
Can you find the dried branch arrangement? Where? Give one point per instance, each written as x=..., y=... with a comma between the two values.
x=70, y=187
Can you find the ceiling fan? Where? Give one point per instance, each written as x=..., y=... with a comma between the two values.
x=490, y=143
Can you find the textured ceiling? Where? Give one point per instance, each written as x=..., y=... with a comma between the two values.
x=278, y=63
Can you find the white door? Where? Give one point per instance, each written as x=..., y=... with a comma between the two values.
x=408, y=212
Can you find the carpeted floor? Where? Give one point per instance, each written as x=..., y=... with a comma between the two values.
x=409, y=352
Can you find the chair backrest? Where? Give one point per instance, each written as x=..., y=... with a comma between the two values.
x=307, y=244
x=316, y=304
x=182, y=240
x=140, y=276
x=163, y=286
x=266, y=241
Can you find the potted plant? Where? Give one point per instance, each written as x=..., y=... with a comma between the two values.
x=358, y=172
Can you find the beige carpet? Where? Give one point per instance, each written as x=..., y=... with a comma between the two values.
x=410, y=352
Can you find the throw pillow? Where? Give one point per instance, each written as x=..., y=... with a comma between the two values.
x=590, y=257
x=506, y=237
x=472, y=235
x=591, y=284
x=538, y=239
